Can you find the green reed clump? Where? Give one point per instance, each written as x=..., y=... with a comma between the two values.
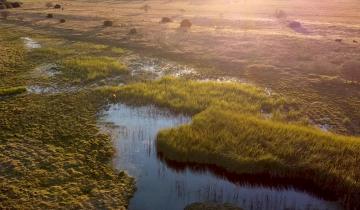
x=91, y=67
x=12, y=91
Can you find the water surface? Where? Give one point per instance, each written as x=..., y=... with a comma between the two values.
x=162, y=185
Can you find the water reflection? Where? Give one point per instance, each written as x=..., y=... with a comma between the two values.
x=161, y=185
x=30, y=43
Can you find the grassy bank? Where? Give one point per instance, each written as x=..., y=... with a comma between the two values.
x=52, y=155
x=228, y=130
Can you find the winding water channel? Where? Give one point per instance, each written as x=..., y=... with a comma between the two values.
x=164, y=186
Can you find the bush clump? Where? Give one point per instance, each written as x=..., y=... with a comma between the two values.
x=165, y=20
x=15, y=4
x=5, y=14
x=294, y=24
x=132, y=31
x=107, y=23
x=185, y=23
x=49, y=5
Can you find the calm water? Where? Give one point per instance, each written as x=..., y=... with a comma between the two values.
x=168, y=186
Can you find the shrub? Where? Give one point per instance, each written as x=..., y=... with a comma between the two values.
x=50, y=15
x=294, y=24
x=49, y=5
x=15, y=4
x=62, y=20
x=166, y=20
x=5, y=14
x=185, y=23
x=8, y=5
x=107, y=23
x=133, y=31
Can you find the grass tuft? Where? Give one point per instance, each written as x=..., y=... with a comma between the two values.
x=91, y=68
x=12, y=91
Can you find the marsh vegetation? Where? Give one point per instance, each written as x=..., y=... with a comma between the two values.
x=228, y=131
x=134, y=130
x=52, y=155
x=248, y=92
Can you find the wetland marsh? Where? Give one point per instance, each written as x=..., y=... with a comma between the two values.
x=211, y=109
